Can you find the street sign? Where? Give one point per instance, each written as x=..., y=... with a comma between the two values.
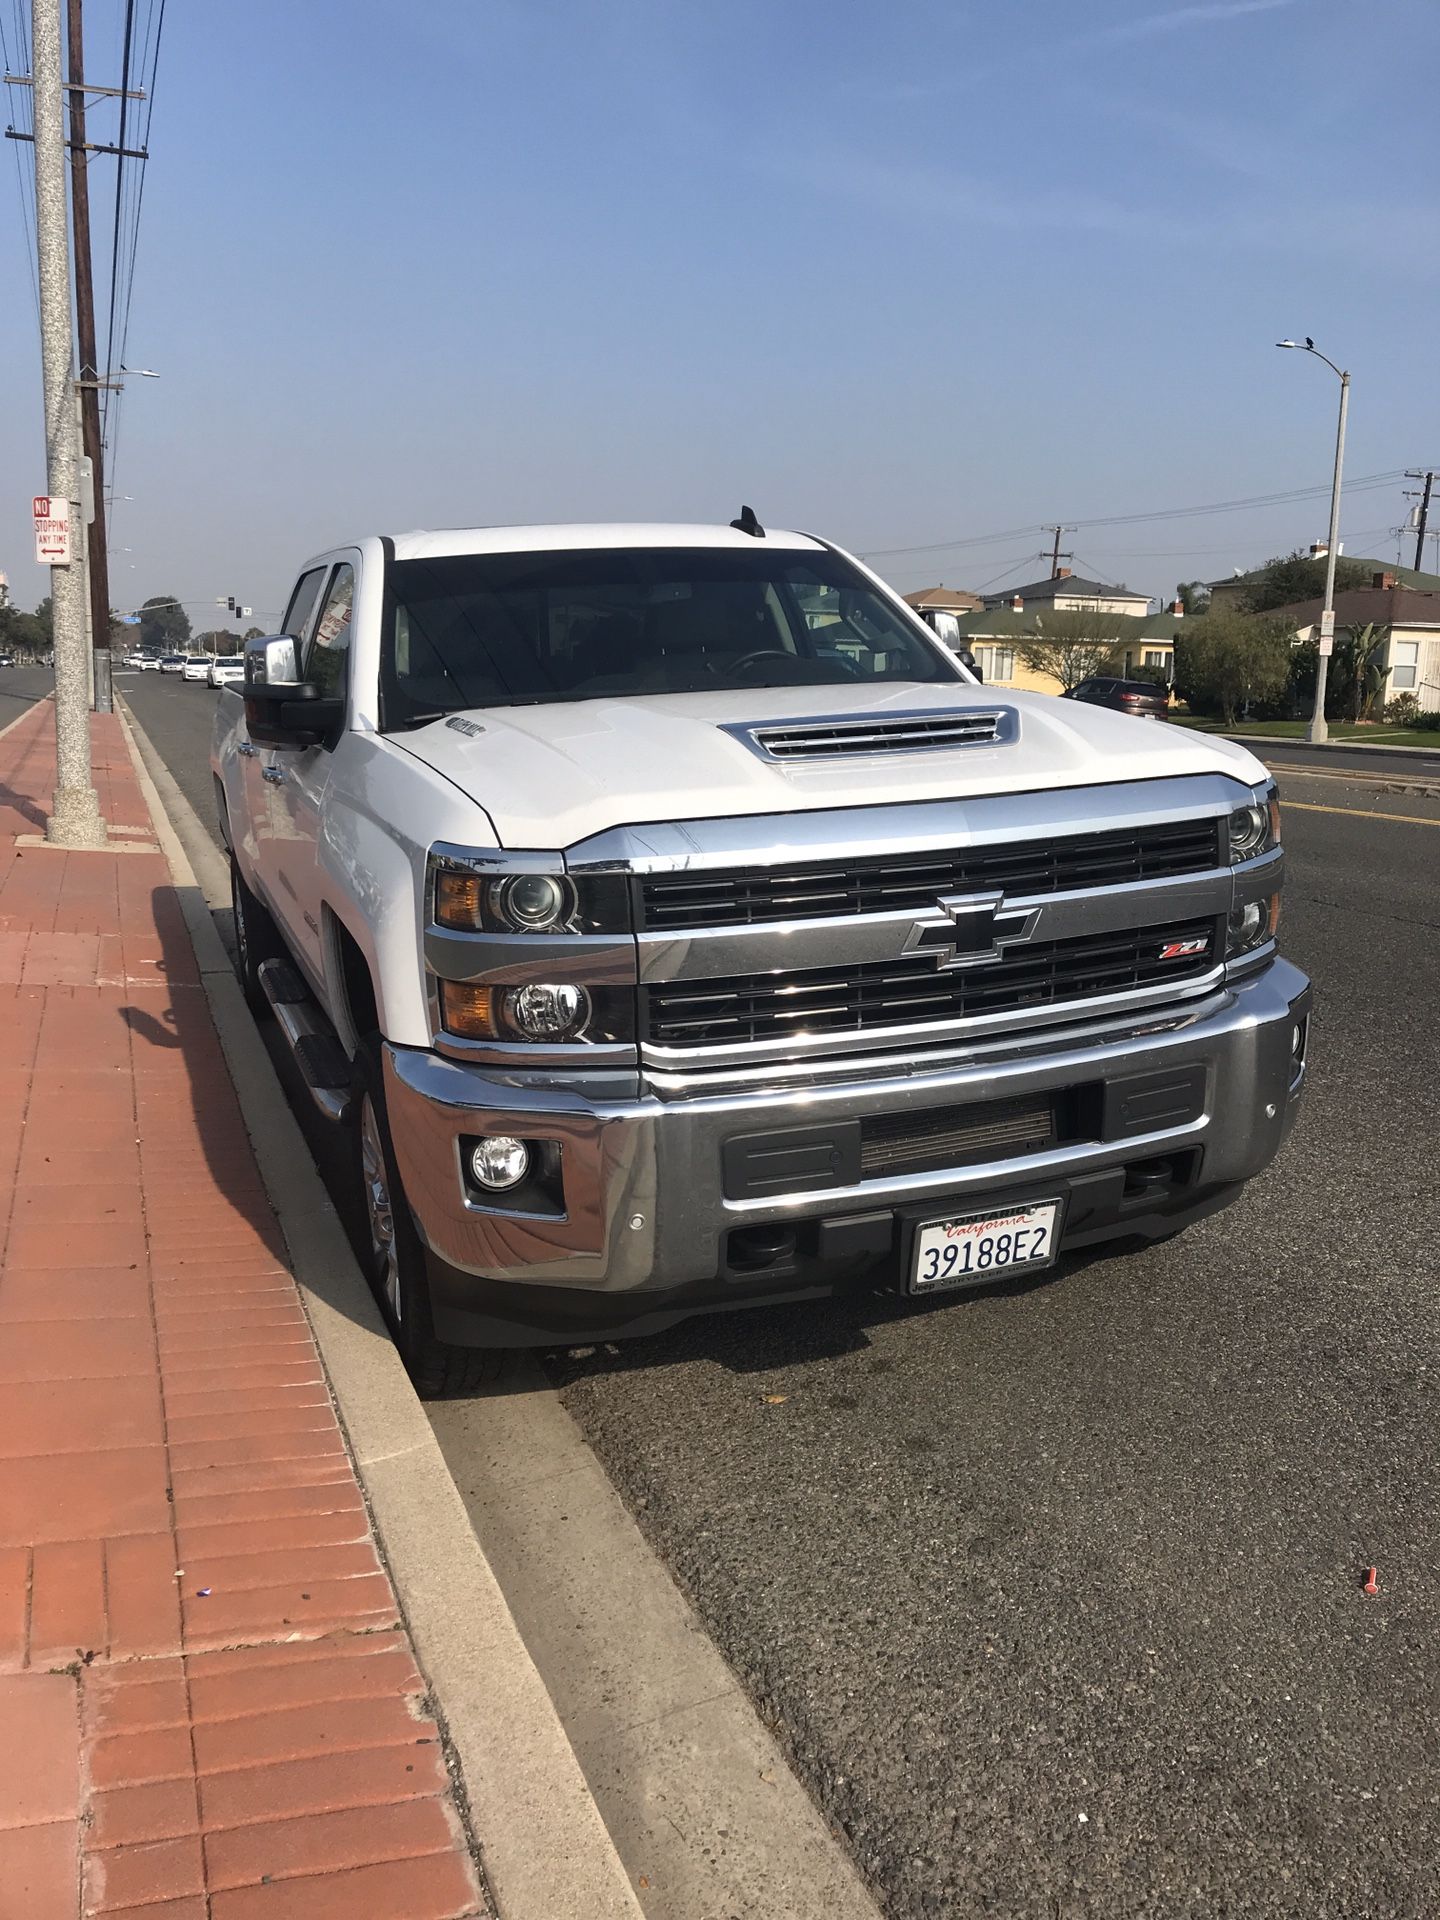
x=52, y=531
x=1327, y=630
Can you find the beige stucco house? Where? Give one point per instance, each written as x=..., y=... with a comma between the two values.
x=1412, y=652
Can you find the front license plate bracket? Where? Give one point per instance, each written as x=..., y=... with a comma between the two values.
x=1023, y=1236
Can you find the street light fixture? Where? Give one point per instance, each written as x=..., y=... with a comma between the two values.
x=1318, y=732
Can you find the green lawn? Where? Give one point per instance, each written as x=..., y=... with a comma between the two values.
x=1297, y=729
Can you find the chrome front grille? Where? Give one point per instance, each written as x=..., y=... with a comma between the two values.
x=797, y=1005
x=889, y=883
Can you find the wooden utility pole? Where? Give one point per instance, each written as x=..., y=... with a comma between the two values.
x=1055, y=554
x=90, y=373
x=1420, y=525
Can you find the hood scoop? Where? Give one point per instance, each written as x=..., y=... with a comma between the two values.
x=871, y=736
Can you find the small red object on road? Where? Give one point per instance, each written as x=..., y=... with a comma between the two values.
x=1372, y=1580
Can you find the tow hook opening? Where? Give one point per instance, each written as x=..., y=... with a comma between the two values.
x=1166, y=1173
x=754, y=1249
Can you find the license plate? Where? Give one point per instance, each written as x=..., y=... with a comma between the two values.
x=973, y=1247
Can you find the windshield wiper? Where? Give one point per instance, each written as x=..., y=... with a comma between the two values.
x=410, y=720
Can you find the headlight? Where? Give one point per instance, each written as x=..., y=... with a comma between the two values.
x=531, y=902
x=540, y=1012
x=467, y=899
x=1251, y=925
x=1255, y=827
x=547, y=1013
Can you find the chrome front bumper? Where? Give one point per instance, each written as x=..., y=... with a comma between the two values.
x=646, y=1215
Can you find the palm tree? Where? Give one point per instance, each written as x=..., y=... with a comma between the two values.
x=1367, y=645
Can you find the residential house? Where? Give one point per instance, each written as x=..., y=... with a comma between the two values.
x=1412, y=651
x=1067, y=592
x=996, y=634
x=1229, y=595
x=942, y=607
x=945, y=599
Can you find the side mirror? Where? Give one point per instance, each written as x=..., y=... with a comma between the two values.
x=270, y=663
x=282, y=710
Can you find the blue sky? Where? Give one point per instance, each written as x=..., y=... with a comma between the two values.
x=899, y=274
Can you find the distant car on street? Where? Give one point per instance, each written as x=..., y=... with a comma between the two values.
x=150, y=663
x=7, y=659
x=197, y=667
x=226, y=672
x=1143, y=698
x=135, y=659
x=172, y=663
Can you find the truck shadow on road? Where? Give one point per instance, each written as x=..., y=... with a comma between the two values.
x=763, y=1339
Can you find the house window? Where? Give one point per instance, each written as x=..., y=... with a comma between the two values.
x=996, y=663
x=1404, y=658
x=1152, y=658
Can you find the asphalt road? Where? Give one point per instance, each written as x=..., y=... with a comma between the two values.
x=1393, y=762
x=20, y=688
x=1054, y=1594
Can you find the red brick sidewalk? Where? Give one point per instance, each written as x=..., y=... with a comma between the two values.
x=208, y=1708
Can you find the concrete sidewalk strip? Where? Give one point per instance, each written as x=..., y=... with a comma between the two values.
x=209, y=1689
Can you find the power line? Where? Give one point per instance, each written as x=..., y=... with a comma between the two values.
x=27, y=194
x=119, y=189
x=150, y=51
x=1366, y=483
x=1024, y=561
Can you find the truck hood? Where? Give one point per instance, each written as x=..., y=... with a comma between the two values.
x=551, y=775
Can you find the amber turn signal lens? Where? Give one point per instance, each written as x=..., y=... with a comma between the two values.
x=457, y=901
x=467, y=1011
x=1274, y=915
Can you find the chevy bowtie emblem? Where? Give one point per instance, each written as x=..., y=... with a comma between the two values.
x=971, y=929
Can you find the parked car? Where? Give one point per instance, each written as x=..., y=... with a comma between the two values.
x=653, y=950
x=226, y=671
x=197, y=667
x=172, y=663
x=1142, y=698
x=7, y=659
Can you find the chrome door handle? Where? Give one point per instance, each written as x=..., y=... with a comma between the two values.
x=246, y=748
x=275, y=775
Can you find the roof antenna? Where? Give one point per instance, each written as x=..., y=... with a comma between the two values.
x=747, y=523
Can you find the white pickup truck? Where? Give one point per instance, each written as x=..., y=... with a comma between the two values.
x=674, y=925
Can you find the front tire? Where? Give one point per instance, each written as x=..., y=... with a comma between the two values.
x=257, y=938
x=396, y=1259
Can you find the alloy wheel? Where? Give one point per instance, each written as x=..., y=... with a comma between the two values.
x=378, y=1208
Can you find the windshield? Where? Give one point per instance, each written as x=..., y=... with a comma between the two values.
x=508, y=629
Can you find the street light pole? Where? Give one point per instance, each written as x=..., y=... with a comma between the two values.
x=75, y=820
x=1318, y=732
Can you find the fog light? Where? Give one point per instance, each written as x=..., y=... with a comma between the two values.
x=499, y=1161
x=544, y=1012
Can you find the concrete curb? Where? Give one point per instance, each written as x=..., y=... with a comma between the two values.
x=1328, y=746
x=546, y=1852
